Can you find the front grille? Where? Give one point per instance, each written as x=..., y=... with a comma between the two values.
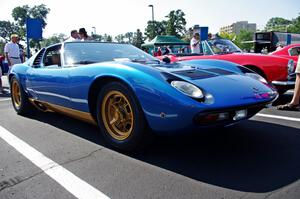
x=200, y=120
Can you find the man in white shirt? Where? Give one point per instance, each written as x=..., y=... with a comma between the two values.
x=195, y=43
x=74, y=36
x=12, y=51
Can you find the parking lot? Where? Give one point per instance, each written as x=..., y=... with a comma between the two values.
x=258, y=158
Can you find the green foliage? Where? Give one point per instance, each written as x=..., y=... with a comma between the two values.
x=240, y=39
x=97, y=37
x=56, y=38
x=229, y=36
x=188, y=35
x=159, y=28
x=120, y=38
x=277, y=24
x=243, y=37
x=7, y=28
x=20, y=14
x=129, y=36
x=138, y=39
x=295, y=26
x=176, y=23
x=107, y=38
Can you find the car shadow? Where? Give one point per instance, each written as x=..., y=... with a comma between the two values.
x=252, y=156
x=283, y=99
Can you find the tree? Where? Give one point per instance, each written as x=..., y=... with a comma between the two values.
x=176, y=23
x=295, y=26
x=138, y=39
x=20, y=14
x=107, y=38
x=7, y=28
x=97, y=37
x=277, y=24
x=159, y=29
x=120, y=38
x=188, y=35
x=229, y=36
x=56, y=38
x=129, y=36
x=243, y=37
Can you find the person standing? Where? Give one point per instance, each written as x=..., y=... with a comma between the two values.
x=294, y=104
x=22, y=52
x=1, y=64
x=12, y=52
x=195, y=43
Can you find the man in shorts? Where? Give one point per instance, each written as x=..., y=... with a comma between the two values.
x=294, y=104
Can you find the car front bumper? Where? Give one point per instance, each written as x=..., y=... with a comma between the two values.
x=289, y=82
x=284, y=83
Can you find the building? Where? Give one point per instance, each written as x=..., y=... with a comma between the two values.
x=238, y=26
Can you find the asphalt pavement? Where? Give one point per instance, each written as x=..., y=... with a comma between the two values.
x=258, y=158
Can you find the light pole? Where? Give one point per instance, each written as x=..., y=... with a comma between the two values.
x=94, y=29
x=152, y=18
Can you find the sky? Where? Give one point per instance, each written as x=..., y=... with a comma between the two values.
x=120, y=16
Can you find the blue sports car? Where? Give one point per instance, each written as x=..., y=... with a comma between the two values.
x=130, y=95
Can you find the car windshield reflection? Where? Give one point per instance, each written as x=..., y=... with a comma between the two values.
x=223, y=46
x=80, y=53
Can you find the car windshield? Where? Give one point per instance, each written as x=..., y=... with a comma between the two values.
x=93, y=52
x=223, y=46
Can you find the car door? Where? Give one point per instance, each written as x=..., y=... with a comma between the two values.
x=49, y=80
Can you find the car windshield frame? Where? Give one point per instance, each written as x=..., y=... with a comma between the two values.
x=225, y=46
x=82, y=53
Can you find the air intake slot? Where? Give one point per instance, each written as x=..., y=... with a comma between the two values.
x=195, y=74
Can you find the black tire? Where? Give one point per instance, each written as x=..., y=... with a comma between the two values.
x=125, y=106
x=19, y=98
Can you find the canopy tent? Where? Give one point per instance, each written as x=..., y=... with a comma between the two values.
x=164, y=40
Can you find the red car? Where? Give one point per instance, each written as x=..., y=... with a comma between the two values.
x=291, y=52
x=276, y=70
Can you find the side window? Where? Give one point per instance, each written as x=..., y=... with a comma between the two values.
x=52, y=56
x=294, y=51
x=38, y=59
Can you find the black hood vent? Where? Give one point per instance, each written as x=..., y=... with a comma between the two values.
x=219, y=71
x=195, y=74
x=204, y=73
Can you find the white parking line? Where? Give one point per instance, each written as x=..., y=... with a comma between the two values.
x=4, y=99
x=279, y=117
x=76, y=186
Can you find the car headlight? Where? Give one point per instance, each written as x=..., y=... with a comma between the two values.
x=188, y=89
x=256, y=77
x=290, y=66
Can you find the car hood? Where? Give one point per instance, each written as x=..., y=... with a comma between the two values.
x=228, y=88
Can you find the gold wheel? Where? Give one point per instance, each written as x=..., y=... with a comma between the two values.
x=16, y=93
x=117, y=115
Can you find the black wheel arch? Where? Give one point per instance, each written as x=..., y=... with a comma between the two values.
x=257, y=70
x=95, y=88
